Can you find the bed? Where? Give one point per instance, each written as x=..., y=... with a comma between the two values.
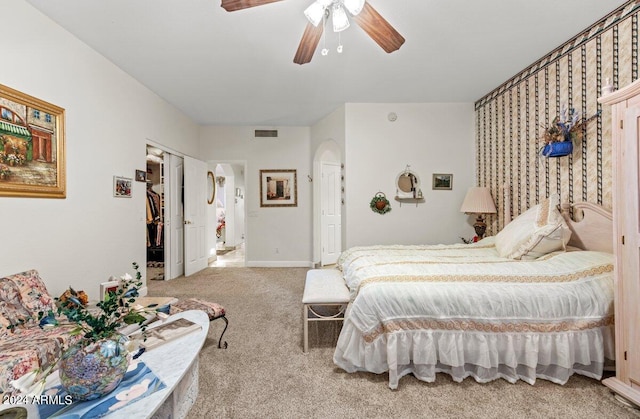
x=534, y=301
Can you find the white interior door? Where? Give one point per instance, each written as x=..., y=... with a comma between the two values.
x=175, y=215
x=195, y=219
x=330, y=218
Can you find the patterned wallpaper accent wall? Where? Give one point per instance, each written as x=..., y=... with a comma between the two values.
x=510, y=120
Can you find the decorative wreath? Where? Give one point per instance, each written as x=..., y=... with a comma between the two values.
x=380, y=204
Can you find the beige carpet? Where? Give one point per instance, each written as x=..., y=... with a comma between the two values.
x=264, y=374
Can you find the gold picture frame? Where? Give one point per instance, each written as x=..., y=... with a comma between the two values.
x=32, y=146
x=278, y=188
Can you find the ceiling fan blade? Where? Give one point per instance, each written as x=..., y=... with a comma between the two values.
x=379, y=29
x=233, y=5
x=308, y=43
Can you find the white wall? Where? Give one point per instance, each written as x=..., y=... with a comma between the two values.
x=432, y=138
x=287, y=229
x=90, y=235
x=331, y=127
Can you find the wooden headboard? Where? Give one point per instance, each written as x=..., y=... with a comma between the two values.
x=594, y=231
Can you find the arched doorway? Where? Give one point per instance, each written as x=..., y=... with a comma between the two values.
x=328, y=196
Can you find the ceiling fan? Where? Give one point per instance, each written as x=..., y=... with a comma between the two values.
x=361, y=12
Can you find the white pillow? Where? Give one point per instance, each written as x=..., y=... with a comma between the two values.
x=538, y=231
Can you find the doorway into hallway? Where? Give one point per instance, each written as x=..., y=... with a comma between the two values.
x=228, y=240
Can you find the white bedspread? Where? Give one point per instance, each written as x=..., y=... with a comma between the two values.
x=465, y=311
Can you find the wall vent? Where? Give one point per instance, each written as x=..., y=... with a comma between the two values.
x=266, y=133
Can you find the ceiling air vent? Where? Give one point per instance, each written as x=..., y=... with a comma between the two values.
x=266, y=133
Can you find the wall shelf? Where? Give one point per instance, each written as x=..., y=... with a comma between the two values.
x=409, y=200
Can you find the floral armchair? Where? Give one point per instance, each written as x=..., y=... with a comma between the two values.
x=23, y=349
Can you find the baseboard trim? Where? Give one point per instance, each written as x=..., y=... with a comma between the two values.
x=279, y=264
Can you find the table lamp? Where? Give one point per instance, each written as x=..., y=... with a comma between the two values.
x=478, y=201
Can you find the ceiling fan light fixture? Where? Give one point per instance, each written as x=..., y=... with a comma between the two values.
x=353, y=6
x=315, y=13
x=340, y=19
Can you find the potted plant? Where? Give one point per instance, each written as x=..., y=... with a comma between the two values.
x=95, y=364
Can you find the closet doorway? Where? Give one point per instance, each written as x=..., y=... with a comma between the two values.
x=155, y=213
x=176, y=214
x=164, y=214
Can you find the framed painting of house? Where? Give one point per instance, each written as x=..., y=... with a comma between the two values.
x=32, y=146
x=278, y=188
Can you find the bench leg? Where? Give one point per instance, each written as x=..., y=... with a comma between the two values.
x=305, y=321
x=225, y=329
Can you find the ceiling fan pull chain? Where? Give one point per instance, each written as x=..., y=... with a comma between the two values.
x=324, y=51
x=339, y=49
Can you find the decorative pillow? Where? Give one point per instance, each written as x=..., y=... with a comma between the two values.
x=33, y=292
x=538, y=231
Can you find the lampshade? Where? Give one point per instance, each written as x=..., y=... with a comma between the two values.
x=340, y=20
x=353, y=6
x=478, y=201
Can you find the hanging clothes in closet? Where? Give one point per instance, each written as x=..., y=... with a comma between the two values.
x=155, y=238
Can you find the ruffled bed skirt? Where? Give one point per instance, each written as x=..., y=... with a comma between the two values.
x=483, y=356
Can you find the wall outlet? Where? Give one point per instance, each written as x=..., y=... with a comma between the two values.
x=277, y=251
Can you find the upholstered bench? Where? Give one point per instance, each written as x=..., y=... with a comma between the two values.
x=323, y=287
x=214, y=311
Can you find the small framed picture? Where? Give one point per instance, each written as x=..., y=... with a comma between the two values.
x=141, y=176
x=121, y=187
x=106, y=287
x=442, y=181
x=278, y=188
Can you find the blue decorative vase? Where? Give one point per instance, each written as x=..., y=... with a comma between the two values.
x=91, y=371
x=557, y=149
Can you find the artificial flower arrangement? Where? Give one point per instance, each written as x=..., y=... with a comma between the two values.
x=91, y=324
x=567, y=126
x=564, y=130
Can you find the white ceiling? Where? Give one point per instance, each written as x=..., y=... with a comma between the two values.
x=237, y=68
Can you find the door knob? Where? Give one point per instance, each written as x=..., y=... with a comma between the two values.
x=187, y=222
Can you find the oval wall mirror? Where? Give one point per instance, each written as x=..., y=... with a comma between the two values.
x=211, y=187
x=407, y=184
